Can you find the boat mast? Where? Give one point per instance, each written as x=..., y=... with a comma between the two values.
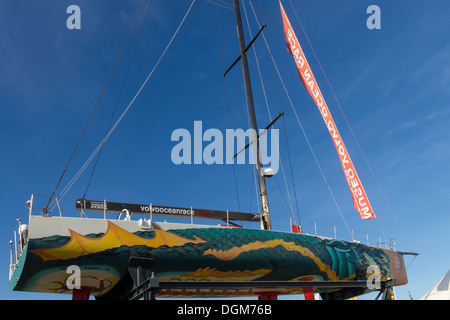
x=251, y=110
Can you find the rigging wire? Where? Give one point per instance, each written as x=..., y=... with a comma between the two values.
x=70, y=184
x=222, y=4
x=284, y=122
x=353, y=133
x=267, y=106
x=282, y=195
x=273, y=204
x=254, y=174
x=226, y=96
x=118, y=97
x=45, y=210
x=304, y=133
x=284, y=126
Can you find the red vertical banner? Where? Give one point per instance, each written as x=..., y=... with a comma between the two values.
x=360, y=199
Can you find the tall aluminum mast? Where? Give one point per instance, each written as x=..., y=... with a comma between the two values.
x=267, y=225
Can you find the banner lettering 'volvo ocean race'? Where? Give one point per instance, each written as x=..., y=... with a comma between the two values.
x=360, y=199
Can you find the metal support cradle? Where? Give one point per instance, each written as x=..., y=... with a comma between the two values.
x=146, y=286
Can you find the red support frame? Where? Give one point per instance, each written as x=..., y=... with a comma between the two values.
x=81, y=294
x=268, y=296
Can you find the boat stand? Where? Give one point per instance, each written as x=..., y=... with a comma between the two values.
x=81, y=294
x=146, y=286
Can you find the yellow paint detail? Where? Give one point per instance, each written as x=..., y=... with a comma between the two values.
x=233, y=253
x=114, y=237
x=217, y=275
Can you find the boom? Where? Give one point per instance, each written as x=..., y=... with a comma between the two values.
x=92, y=205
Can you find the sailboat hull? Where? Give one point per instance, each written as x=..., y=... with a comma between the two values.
x=101, y=250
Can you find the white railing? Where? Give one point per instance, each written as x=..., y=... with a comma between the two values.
x=331, y=231
x=326, y=230
x=55, y=202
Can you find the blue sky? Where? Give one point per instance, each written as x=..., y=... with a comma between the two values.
x=393, y=85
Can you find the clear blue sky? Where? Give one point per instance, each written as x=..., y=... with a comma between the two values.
x=393, y=85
